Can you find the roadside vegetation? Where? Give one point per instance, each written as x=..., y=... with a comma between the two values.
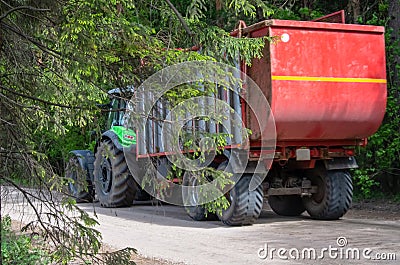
x=23, y=249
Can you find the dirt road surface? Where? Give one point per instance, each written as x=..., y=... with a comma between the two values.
x=164, y=234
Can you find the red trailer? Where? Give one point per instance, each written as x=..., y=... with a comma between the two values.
x=326, y=84
x=325, y=90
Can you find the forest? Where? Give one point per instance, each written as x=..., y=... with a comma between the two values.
x=58, y=59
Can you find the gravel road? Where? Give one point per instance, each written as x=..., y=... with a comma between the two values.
x=164, y=234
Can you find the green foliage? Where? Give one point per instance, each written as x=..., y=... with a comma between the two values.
x=285, y=13
x=383, y=150
x=310, y=14
x=364, y=182
x=196, y=9
x=241, y=6
x=217, y=43
x=106, y=41
x=32, y=249
x=57, y=147
x=20, y=249
x=381, y=157
x=222, y=181
x=396, y=198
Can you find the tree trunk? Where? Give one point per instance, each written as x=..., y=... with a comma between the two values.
x=354, y=9
x=218, y=5
x=394, y=24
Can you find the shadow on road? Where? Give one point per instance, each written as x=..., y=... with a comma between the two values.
x=169, y=215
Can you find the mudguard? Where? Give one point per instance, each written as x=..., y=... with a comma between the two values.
x=136, y=167
x=114, y=138
x=341, y=163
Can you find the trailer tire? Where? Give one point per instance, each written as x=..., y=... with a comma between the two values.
x=287, y=205
x=79, y=187
x=115, y=186
x=142, y=195
x=197, y=212
x=245, y=205
x=334, y=195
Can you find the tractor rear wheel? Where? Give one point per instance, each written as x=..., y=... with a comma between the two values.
x=115, y=186
x=334, y=194
x=286, y=205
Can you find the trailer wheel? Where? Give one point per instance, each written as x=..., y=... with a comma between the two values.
x=286, y=205
x=142, y=195
x=78, y=187
x=115, y=186
x=197, y=212
x=334, y=195
x=245, y=205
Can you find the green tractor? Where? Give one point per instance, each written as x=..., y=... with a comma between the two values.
x=104, y=171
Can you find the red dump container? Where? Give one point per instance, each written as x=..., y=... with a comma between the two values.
x=326, y=82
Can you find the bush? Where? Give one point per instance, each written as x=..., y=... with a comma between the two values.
x=363, y=180
x=19, y=249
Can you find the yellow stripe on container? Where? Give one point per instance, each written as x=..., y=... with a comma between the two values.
x=328, y=79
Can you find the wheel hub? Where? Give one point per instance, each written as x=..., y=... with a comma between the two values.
x=319, y=195
x=194, y=196
x=106, y=176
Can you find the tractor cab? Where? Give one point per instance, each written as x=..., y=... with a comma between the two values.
x=116, y=123
x=116, y=107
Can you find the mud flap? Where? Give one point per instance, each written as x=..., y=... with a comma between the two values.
x=341, y=163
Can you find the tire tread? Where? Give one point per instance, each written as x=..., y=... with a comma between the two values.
x=248, y=204
x=338, y=197
x=123, y=187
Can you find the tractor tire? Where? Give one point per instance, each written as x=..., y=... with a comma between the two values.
x=287, y=205
x=115, y=186
x=79, y=187
x=197, y=212
x=245, y=205
x=334, y=195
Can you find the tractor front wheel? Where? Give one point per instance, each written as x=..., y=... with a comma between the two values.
x=79, y=185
